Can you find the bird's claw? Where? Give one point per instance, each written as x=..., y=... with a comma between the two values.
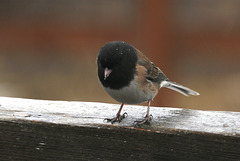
x=146, y=120
x=118, y=118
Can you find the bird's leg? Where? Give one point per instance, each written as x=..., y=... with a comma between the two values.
x=147, y=118
x=118, y=117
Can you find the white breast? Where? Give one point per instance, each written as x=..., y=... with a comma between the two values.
x=131, y=94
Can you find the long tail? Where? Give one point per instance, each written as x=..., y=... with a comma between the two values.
x=179, y=88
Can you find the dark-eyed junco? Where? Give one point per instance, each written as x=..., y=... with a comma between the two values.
x=129, y=77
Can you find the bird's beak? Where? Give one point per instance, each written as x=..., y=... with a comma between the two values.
x=107, y=72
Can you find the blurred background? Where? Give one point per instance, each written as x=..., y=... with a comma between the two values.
x=48, y=48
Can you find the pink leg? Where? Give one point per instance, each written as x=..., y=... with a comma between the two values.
x=147, y=118
x=148, y=109
x=119, y=111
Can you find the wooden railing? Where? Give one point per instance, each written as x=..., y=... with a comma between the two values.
x=61, y=130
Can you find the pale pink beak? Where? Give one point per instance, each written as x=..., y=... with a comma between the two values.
x=107, y=72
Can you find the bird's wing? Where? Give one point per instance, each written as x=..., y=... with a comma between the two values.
x=153, y=72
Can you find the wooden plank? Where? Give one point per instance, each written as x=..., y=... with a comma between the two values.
x=61, y=130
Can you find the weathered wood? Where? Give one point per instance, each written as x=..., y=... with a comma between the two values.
x=61, y=130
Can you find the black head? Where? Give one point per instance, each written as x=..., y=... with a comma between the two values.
x=121, y=58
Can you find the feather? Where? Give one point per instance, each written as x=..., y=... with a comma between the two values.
x=179, y=88
x=153, y=73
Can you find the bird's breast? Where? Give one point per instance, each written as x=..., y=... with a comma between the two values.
x=136, y=92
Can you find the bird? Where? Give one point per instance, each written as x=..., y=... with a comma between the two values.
x=129, y=77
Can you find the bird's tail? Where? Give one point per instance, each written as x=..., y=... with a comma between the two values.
x=179, y=88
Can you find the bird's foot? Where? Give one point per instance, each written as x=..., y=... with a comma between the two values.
x=118, y=118
x=146, y=120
